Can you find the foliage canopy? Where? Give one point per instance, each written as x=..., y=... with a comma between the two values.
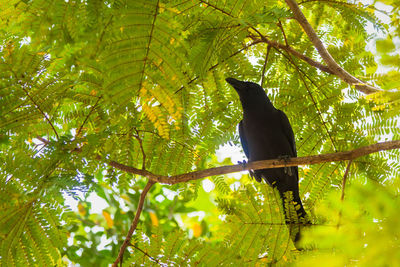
x=141, y=83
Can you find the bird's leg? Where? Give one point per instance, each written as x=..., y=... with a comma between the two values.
x=243, y=163
x=251, y=172
x=287, y=170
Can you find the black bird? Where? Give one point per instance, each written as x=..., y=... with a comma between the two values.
x=265, y=133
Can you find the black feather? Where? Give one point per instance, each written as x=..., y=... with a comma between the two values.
x=265, y=133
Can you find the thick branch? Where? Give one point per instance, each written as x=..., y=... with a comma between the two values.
x=262, y=164
x=134, y=223
x=326, y=56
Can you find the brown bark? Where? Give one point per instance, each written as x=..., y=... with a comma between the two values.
x=134, y=223
x=262, y=164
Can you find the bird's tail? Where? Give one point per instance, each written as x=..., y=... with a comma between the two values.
x=296, y=217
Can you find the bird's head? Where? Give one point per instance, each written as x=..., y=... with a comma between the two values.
x=251, y=94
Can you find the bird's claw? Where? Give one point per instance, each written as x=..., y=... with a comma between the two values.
x=284, y=157
x=243, y=163
x=287, y=170
x=251, y=172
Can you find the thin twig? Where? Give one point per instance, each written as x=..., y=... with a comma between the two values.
x=222, y=61
x=102, y=35
x=148, y=255
x=262, y=164
x=87, y=117
x=265, y=65
x=141, y=148
x=312, y=99
x=43, y=140
x=41, y=111
x=346, y=173
x=44, y=143
x=305, y=74
x=292, y=51
x=134, y=223
x=151, y=37
x=283, y=33
x=216, y=8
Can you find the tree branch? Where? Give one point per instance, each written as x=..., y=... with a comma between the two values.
x=41, y=111
x=256, y=165
x=265, y=65
x=87, y=117
x=134, y=223
x=223, y=60
x=292, y=51
x=346, y=173
x=262, y=164
x=148, y=255
x=137, y=137
x=216, y=8
x=326, y=56
x=43, y=140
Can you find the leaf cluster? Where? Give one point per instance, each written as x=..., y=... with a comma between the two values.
x=141, y=83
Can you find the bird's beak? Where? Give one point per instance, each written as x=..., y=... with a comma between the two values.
x=235, y=83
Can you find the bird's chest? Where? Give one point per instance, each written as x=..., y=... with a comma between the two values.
x=265, y=137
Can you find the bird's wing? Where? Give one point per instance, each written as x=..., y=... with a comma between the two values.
x=243, y=139
x=245, y=147
x=288, y=131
